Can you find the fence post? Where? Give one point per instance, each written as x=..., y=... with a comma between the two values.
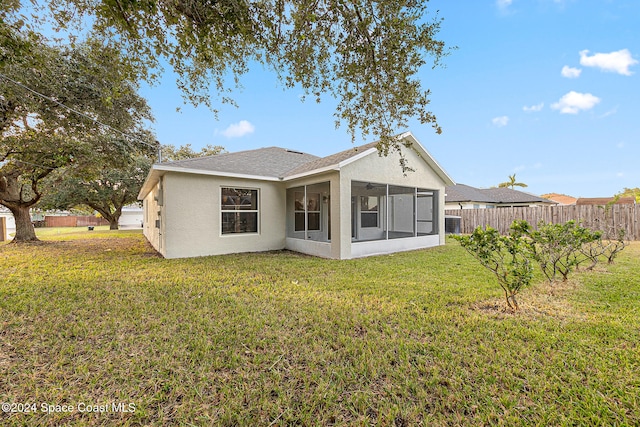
x=3, y=229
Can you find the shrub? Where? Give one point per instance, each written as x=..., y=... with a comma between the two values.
x=507, y=257
x=608, y=246
x=557, y=248
x=560, y=248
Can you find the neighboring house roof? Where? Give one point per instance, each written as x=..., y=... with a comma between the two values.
x=507, y=195
x=465, y=193
x=278, y=164
x=562, y=199
x=602, y=201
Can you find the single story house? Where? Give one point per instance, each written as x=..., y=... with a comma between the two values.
x=10, y=222
x=131, y=216
x=351, y=204
x=460, y=196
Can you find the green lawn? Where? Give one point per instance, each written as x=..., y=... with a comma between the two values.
x=418, y=338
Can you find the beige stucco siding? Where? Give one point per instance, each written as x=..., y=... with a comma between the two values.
x=152, y=213
x=192, y=216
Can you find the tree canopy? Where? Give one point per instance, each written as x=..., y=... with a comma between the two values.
x=112, y=188
x=75, y=107
x=170, y=153
x=630, y=192
x=364, y=53
x=107, y=193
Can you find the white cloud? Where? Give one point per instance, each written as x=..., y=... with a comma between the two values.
x=617, y=62
x=534, y=108
x=236, y=130
x=573, y=102
x=570, y=73
x=500, y=121
x=503, y=4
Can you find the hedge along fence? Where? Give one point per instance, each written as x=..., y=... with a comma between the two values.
x=626, y=217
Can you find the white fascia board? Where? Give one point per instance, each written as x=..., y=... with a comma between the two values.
x=334, y=167
x=149, y=183
x=311, y=172
x=167, y=168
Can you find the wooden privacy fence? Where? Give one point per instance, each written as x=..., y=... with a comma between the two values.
x=626, y=217
x=73, y=221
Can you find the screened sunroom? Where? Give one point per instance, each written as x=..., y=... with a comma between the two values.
x=384, y=212
x=381, y=218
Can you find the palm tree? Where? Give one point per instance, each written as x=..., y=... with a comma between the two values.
x=512, y=183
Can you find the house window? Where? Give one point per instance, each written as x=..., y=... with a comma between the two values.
x=239, y=208
x=312, y=211
x=368, y=211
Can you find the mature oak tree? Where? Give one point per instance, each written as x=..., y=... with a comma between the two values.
x=107, y=194
x=59, y=107
x=113, y=188
x=365, y=53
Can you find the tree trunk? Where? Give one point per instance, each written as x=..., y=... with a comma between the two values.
x=25, y=232
x=112, y=217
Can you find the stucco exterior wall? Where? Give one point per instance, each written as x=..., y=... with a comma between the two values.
x=192, y=216
x=152, y=218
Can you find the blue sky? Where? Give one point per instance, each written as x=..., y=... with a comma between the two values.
x=546, y=89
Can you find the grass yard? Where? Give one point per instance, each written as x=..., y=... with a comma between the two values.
x=97, y=321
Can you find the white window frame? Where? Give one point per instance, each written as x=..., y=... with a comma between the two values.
x=369, y=213
x=223, y=211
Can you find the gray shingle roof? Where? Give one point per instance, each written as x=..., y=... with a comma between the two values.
x=331, y=160
x=507, y=195
x=466, y=193
x=272, y=162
